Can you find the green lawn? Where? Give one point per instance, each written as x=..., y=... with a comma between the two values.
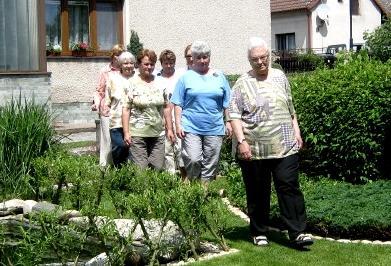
x=279, y=253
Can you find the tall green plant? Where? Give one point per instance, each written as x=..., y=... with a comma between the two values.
x=134, y=46
x=26, y=132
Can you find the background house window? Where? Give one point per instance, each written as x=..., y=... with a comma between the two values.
x=355, y=7
x=19, y=49
x=53, y=26
x=96, y=22
x=285, y=41
x=78, y=22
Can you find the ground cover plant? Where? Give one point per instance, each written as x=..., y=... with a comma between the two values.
x=334, y=208
x=26, y=132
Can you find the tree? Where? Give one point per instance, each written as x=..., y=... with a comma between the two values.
x=379, y=41
x=134, y=46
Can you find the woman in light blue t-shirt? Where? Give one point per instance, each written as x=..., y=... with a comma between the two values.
x=201, y=97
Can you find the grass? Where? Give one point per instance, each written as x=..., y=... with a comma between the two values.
x=279, y=252
x=78, y=144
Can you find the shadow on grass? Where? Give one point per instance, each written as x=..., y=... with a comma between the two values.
x=242, y=233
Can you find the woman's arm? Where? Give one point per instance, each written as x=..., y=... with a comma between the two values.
x=125, y=125
x=296, y=130
x=243, y=147
x=167, y=111
x=178, y=127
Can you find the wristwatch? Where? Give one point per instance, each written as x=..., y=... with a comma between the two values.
x=240, y=141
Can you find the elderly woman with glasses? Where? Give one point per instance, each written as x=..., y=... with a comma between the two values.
x=201, y=97
x=117, y=84
x=268, y=138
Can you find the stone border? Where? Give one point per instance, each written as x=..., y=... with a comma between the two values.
x=244, y=217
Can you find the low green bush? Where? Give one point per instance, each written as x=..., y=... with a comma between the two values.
x=26, y=132
x=344, y=115
x=334, y=208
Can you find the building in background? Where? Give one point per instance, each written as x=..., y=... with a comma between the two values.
x=37, y=39
x=316, y=24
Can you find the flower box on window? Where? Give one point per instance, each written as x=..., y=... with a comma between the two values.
x=81, y=50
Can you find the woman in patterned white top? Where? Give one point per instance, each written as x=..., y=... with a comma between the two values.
x=264, y=121
x=116, y=85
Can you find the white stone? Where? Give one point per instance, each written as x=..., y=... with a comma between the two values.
x=124, y=226
x=15, y=203
x=99, y=260
x=387, y=243
x=329, y=239
x=356, y=241
x=317, y=237
x=79, y=220
x=28, y=206
x=377, y=242
x=366, y=242
x=344, y=241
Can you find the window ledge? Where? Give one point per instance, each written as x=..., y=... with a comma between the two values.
x=25, y=73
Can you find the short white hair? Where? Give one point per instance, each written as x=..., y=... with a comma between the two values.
x=199, y=48
x=126, y=56
x=257, y=42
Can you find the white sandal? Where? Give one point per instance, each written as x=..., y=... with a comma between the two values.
x=260, y=240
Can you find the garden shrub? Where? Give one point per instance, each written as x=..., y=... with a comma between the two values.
x=379, y=42
x=344, y=116
x=26, y=132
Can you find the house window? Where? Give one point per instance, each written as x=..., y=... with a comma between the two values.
x=96, y=22
x=285, y=41
x=355, y=7
x=19, y=30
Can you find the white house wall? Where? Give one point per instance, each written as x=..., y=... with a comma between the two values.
x=337, y=29
x=225, y=24
x=290, y=22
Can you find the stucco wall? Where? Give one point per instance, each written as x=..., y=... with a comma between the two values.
x=225, y=24
x=291, y=22
x=74, y=79
x=337, y=30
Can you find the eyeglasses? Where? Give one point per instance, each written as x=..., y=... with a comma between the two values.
x=188, y=56
x=264, y=58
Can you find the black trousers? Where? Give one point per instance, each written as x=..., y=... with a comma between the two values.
x=257, y=179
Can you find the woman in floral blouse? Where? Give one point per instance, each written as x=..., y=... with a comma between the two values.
x=142, y=116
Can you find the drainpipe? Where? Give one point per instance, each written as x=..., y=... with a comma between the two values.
x=350, y=25
x=309, y=30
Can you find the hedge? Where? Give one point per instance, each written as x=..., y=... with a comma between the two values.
x=344, y=116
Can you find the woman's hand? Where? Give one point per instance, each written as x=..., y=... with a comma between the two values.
x=179, y=132
x=127, y=139
x=299, y=141
x=228, y=129
x=244, y=150
x=170, y=136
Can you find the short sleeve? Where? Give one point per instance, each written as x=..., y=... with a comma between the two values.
x=177, y=97
x=235, y=108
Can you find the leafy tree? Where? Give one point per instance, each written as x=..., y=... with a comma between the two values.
x=379, y=41
x=134, y=46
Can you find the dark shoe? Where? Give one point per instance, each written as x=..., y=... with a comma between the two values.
x=303, y=240
x=260, y=241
